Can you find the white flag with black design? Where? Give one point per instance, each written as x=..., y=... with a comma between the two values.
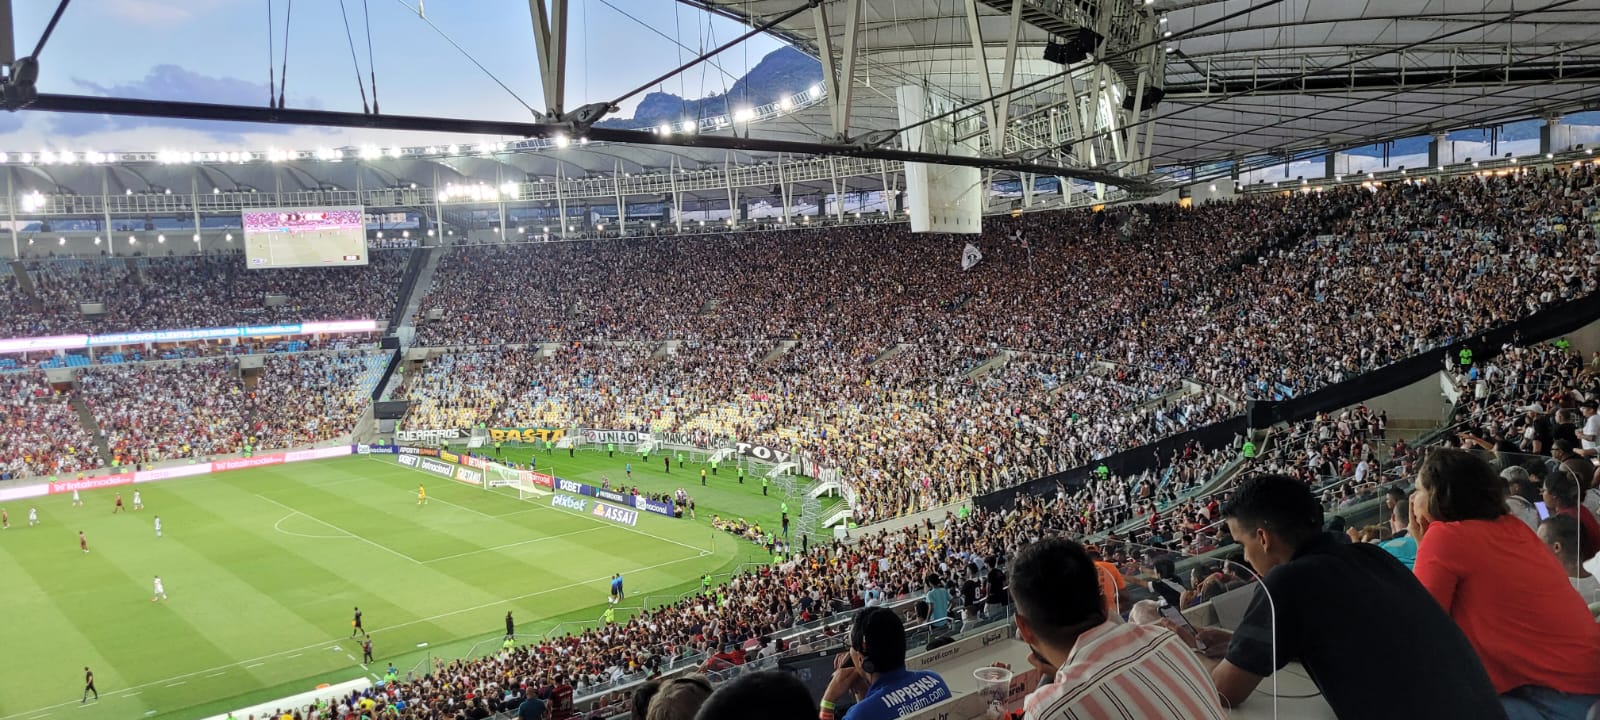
x=970, y=256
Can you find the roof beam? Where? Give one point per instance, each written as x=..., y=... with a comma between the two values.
x=838, y=79
x=550, y=39
x=96, y=105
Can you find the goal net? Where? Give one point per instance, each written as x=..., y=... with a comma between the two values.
x=502, y=476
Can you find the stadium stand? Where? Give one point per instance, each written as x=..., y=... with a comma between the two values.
x=1305, y=291
x=173, y=292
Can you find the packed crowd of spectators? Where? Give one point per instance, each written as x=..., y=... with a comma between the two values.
x=40, y=433
x=1297, y=292
x=177, y=292
x=151, y=412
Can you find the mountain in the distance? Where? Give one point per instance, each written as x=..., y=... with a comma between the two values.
x=783, y=72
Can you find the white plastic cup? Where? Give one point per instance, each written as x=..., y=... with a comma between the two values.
x=994, y=683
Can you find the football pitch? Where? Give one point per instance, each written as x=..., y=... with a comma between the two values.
x=263, y=567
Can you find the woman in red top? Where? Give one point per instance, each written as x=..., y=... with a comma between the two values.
x=1507, y=591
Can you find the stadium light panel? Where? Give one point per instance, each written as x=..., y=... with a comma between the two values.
x=61, y=241
x=97, y=239
x=561, y=141
x=161, y=238
x=405, y=233
x=5, y=157
x=228, y=237
x=27, y=158
x=452, y=150
x=664, y=129
x=197, y=238
x=785, y=103
x=430, y=232
x=380, y=234
x=133, y=240
x=815, y=91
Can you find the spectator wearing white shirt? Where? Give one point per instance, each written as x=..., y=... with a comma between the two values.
x=1589, y=434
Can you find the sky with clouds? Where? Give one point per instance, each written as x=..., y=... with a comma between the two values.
x=218, y=51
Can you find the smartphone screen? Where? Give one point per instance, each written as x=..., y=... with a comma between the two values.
x=1171, y=613
x=1544, y=510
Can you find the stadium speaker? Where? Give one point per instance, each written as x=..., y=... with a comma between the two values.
x=390, y=343
x=1261, y=414
x=1055, y=52
x=1152, y=96
x=1080, y=45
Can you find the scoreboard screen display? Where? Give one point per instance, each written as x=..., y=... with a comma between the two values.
x=301, y=237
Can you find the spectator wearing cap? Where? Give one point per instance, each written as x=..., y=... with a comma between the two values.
x=1537, y=432
x=1102, y=668
x=1560, y=533
x=1319, y=603
x=770, y=695
x=874, y=669
x=1561, y=496
x=1508, y=594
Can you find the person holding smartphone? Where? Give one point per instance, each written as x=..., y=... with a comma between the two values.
x=1099, y=667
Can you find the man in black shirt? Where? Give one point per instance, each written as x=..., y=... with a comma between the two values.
x=1335, y=607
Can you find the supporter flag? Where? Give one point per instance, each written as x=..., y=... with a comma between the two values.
x=970, y=256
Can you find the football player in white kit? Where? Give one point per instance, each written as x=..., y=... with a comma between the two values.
x=138, y=502
x=158, y=526
x=33, y=516
x=161, y=592
x=76, y=501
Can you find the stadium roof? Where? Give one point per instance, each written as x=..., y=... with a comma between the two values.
x=1248, y=80
x=1251, y=77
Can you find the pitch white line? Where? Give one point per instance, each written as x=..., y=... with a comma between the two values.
x=511, y=545
x=352, y=535
x=180, y=682
x=220, y=674
x=278, y=526
x=136, y=689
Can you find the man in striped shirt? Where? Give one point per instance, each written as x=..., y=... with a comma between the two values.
x=1103, y=668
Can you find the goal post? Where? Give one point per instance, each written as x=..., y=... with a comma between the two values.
x=501, y=476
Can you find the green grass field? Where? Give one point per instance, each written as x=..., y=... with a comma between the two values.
x=263, y=567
